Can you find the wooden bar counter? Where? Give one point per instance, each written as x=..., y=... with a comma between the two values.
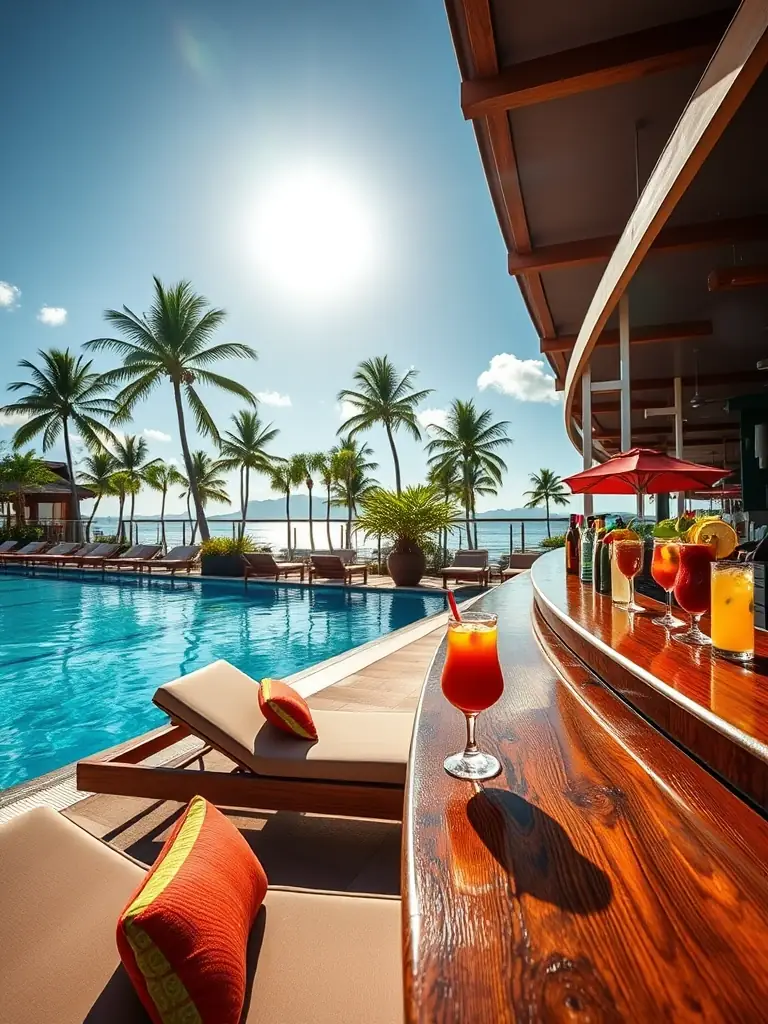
x=605, y=875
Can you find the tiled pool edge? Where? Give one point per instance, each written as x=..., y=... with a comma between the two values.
x=58, y=788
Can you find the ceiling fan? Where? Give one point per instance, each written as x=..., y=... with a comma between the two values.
x=697, y=400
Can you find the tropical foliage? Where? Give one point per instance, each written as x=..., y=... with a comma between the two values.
x=245, y=449
x=161, y=476
x=382, y=396
x=172, y=343
x=209, y=484
x=353, y=464
x=18, y=472
x=96, y=473
x=223, y=547
x=547, y=489
x=407, y=519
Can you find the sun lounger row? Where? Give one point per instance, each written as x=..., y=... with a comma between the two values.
x=321, y=567
x=139, y=557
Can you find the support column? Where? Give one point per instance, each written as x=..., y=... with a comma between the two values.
x=624, y=374
x=678, y=392
x=586, y=430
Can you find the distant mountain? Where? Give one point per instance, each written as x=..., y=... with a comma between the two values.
x=522, y=513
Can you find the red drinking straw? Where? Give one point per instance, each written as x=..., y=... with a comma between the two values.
x=454, y=607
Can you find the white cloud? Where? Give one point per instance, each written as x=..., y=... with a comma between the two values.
x=12, y=419
x=156, y=435
x=9, y=295
x=273, y=398
x=523, y=379
x=54, y=316
x=432, y=418
x=172, y=461
x=346, y=410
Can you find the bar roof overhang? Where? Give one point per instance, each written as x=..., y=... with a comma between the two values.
x=577, y=109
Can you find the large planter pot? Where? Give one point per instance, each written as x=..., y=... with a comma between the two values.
x=406, y=569
x=221, y=565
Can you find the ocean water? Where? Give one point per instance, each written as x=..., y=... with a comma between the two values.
x=80, y=660
x=494, y=536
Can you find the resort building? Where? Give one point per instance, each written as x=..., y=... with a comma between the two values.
x=48, y=504
x=623, y=145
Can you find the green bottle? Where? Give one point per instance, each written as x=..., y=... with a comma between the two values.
x=605, y=568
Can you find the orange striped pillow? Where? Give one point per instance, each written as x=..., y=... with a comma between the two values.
x=183, y=935
x=286, y=709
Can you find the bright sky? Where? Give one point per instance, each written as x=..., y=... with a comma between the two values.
x=307, y=167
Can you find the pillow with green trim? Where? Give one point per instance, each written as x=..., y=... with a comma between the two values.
x=183, y=936
x=286, y=709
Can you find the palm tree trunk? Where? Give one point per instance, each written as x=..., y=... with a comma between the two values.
x=90, y=520
x=349, y=514
x=246, y=488
x=311, y=524
x=328, y=516
x=192, y=524
x=77, y=528
x=288, y=521
x=118, y=535
x=133, y=510
x=202, y=522
x=395, y=459
x=162, y=520
x=546, y=503
x=474, y=520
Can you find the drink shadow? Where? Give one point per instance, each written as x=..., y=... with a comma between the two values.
x=537, y=853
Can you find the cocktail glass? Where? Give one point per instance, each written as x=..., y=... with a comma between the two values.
x=472, y=681
x=629, y=561
x=692, y=590
x=733, y=610
x=619, y=583
x=666, y=562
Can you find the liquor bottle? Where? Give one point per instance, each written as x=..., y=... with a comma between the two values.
x=600, y=532
x=572, y=547
x=605, y=586
x=585, y=552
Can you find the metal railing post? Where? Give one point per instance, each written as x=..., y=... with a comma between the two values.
x=511, y=539
x=522, y=536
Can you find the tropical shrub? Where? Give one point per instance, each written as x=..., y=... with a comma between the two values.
x=409, y=520
x=549, y=543
x=23, y=533
x=221, y=547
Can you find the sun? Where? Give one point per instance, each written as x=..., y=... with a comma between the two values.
x=315, y=236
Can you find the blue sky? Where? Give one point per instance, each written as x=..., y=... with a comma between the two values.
x=162, y=137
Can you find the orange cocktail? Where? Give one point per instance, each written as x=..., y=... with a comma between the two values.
x=666, y=562
x=472, y=681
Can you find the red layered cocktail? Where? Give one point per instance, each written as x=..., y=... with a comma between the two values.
x=693, y=589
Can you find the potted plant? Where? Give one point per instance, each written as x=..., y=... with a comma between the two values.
x=407, y=520
x=222, y=556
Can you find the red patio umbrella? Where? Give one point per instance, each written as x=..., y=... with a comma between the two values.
x=644, y=471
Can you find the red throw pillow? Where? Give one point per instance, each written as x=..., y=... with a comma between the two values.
x=286, y=709
x=183, y=935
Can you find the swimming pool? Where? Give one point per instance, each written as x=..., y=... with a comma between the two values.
x=80, y=660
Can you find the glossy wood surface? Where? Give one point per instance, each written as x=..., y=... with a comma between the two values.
x=603, y=876
x=717, y=710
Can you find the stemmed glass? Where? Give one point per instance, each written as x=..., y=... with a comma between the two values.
x=472, y=681
x=666, y=561
x=629, y=561
x=692, y=590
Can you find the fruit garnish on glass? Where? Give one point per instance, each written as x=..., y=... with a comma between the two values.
x=664, y=568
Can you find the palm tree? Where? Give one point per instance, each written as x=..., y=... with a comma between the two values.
x=352, y=461
x=96, y=474
x=244, y=449
x=329, y=474
x=131, y=458
x=383, y=397
x=446, y=478
x=18, y=472
x=171, y=342
x=479, y=482
x=284, y=477
x=309, y=463
x=160, y=476
x=205, y=477
x=471, y=441
x=548, y=488
x=63, y=393
x=123, y=484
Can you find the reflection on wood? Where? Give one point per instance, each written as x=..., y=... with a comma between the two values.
x=604, y=876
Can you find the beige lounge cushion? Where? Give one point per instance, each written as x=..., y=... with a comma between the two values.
x=220, y=704
x=319, y=957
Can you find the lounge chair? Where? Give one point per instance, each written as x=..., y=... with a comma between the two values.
x=356, y=768
x=179, y=558
x=133, y=558
x=332, y=567
x=7, y=546
x=93, y=559
x=35, y=548
x=328, y=958
x=57, y=551
x=258, y=564
x=519, y=562
x=469, y=565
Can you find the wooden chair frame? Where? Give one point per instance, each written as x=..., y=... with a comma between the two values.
x=122, y=773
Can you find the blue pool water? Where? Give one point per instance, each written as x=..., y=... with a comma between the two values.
x=79, y=661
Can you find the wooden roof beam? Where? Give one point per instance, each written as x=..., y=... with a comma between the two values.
x=596, y=65
x=756, y=377
x=683, y=236
x=726, y=278
x=637, y=336
x=664, y=430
